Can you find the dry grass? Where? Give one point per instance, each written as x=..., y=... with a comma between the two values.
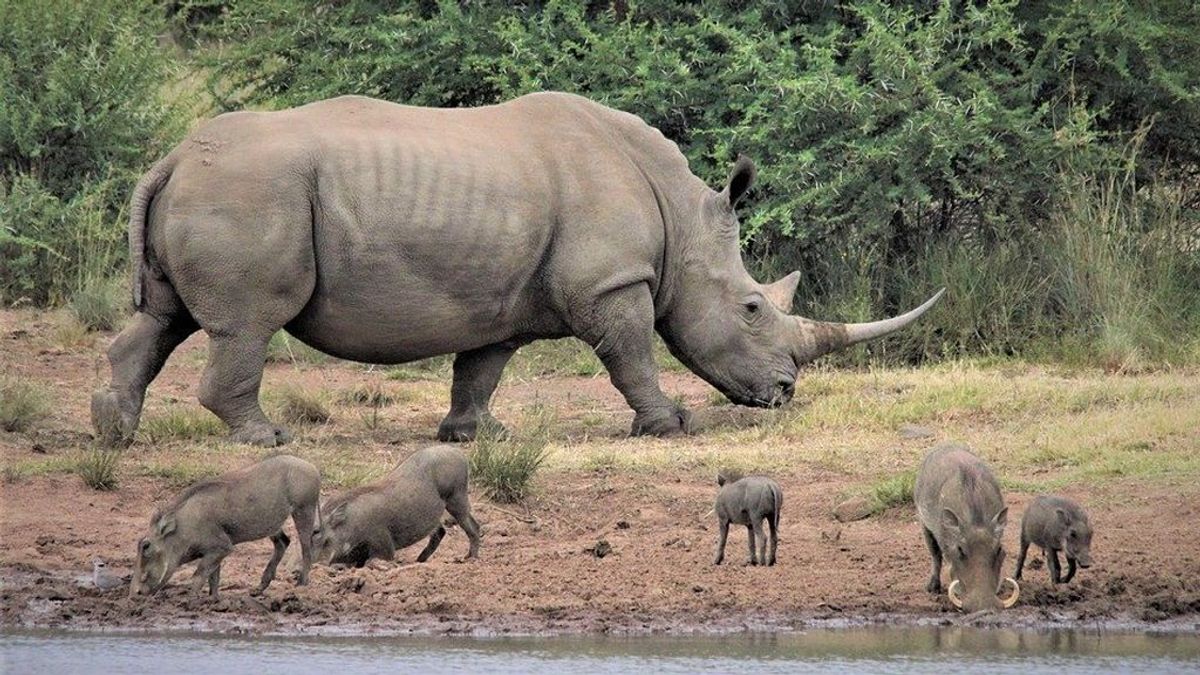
x=22, y=404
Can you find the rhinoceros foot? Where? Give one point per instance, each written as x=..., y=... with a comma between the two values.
x=114, y=428
x=667, y=422
x=260, y=433
x=464, y=429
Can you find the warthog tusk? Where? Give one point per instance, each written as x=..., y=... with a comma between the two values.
x=952, y=593
x=1012, y=599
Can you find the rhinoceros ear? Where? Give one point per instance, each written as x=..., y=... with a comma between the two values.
x=781, y=292
x=740, y=180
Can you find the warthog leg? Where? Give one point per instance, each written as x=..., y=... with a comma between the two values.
x=774, y=539
x=720, y=555
x=1070, y=570
x=434, y=540
x=935, y=552
x=281, y=541
x=304, y=517
x=762, y=541
x=459, y=506
x=750, y=539
x=1052, y=563
x=1021, y=557
x=208, y=570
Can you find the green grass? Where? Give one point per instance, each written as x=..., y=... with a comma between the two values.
x=180, y=424
x=895, y=490
x=436, y=368
x=503, y=465
x=371, y=395
x=98, y=468
x=298, y=406
x=178, y=473
x=22, y=403
x=101, y=304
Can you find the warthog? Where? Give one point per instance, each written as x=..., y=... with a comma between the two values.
x=206, y=520
x=962, y=515
x=1056, y=524
x=348, y=222
x=375, y=521
x=748, y=501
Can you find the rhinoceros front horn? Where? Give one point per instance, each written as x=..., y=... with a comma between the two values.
x=816, y=338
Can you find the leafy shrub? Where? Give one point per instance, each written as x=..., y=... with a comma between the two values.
x=82, y=110
x=893, y=491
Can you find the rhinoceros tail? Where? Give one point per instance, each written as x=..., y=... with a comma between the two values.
x=139, y=206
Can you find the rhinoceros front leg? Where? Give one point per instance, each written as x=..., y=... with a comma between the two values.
x=476, y=374
x=621, y=331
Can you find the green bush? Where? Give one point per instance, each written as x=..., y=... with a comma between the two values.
x=900, y=145
x=82, y=111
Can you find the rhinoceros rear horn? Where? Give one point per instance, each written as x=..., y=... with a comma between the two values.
x=816, y=338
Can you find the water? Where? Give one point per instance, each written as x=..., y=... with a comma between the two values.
x=876, y=650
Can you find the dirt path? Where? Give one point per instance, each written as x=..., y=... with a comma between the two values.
x=539, y=576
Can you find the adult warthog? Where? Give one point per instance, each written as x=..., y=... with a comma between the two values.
x=384, y=233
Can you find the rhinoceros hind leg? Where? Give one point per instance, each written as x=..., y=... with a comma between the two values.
x=136, y=357
x=230, y=388
x=476, y=374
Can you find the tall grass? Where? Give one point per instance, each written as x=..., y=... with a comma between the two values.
x=1111, y=279
x=22, y=403
x=503, y=466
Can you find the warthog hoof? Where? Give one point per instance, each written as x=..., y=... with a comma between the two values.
x=265, y=435
x=465, y=429
x=662, y=423
x=934, y=586
x=113, y=427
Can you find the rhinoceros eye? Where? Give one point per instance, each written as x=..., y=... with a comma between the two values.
x=752, y=307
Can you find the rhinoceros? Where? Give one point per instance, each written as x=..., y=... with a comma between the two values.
x=386, y=233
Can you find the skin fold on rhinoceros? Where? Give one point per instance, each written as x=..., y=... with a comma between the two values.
x=385, y=233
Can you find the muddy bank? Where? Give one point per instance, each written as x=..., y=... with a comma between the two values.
x=542, y=577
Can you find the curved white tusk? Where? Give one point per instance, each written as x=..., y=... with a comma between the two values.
x=1012, y=599
x=952, y=593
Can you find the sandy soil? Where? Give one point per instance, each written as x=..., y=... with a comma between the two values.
x=537, y=574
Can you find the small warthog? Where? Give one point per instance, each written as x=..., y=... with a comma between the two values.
x=375, y=521
x=962, y=515
x=208, y=519
x=1056, y=524
x=747, y=501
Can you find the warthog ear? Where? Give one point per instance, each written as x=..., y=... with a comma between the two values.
x=949, y=520
x=1000, y=520
x=166, y=525
x=721, y=478
x=1063, y=516
x=741, y=177
x=337, y=515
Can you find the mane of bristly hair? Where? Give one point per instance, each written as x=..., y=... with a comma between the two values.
x=725, y=476
x=182, y=497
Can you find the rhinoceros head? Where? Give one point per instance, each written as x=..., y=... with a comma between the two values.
x=736, y=333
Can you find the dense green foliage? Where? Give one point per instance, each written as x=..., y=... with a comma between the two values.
x=1038, y=158
x=81, y=112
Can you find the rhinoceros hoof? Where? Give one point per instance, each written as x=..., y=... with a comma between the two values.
x=464, y=430
x=113, y=428
x=265, y=435
x=678, y=421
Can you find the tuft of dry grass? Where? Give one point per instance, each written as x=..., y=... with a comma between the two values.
x=98, y=468
x=22, y=403
x=299, y=407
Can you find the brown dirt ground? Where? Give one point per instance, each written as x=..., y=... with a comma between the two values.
x=538, y=576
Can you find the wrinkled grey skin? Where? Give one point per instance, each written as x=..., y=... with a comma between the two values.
x=404, y=507
x=208, y=519
x=748, y=501
x=384, y=233
x=962, y=515
x=1056, y=524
